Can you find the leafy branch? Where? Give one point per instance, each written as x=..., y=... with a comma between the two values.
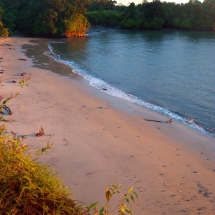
x=3, y=105
x=24, y=80
x=122, y=207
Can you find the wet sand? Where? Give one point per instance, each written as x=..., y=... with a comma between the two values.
x=100, y=140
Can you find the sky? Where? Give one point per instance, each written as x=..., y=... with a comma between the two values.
x=127, y=2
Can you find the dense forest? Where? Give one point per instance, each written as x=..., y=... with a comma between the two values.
x=44, y=17
x=74, y=17
x=153, y=14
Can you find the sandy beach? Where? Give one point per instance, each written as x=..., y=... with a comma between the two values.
x=100, y=140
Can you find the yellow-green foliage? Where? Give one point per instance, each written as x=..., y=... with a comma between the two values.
x=77, y=23
x=27, y=187
x=30, y=188
x=3, y=31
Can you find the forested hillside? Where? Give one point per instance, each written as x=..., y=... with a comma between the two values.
x=73, y=17
x=154, y=14
x=44, y=17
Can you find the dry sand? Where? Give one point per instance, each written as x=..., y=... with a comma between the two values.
x=101, y=140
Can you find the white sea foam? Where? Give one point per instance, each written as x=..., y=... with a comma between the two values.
x=106, y=88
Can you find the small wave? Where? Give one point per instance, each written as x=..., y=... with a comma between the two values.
x=106, y=88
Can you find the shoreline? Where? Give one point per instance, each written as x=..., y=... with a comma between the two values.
x=99, y=140
x=105, y=87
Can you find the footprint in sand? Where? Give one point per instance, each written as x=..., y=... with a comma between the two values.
x=66, y=142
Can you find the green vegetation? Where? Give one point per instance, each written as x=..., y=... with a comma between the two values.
x=3, y=31
x=44, y=17
x=104, y=18
x=77, y=25
x=28, y=187
x=70, y=17
x=155, y=15
x=31, y=188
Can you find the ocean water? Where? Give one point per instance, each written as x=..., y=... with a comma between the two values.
x=171, y=72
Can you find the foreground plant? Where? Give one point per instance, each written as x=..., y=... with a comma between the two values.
x=28, y=187
x=3, y=105
x=121, y=207
x=24, y=81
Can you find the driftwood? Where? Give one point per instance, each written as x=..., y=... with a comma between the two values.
x=152, y=120
x=169, y=121
x=23, y=137
x=40, y=133
x=22, y=59
x=14, y=133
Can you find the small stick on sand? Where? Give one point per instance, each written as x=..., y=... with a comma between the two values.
x=152, y=120
x=22, y=59
x=41, y=132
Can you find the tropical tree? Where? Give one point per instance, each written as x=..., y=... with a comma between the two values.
x=3, y=31
x=77, y=25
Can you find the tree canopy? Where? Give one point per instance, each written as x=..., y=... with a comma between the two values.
x=73, y=17
x=155, y=14
x=44, y=17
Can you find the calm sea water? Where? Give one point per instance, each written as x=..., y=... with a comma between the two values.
x=171, y=72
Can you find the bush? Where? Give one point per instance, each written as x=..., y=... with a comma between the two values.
x=155, y=23
x=3, y=31
x=28, y=187
x=104, y=18
x=77, y=25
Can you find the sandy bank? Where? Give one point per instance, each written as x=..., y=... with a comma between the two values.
x=101, y=140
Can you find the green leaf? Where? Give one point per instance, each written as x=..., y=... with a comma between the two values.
x=127, y=200
x=128, y=211
x=93, y=205
x=107, y=194
x=101, y=212
x=5, y=101
x=136, y=195
x=130, y=190
x=132, y=198
x=122, y=209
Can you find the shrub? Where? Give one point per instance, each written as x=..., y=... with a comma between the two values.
x=3, y=31
x=28, y=187
x=77, y=25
